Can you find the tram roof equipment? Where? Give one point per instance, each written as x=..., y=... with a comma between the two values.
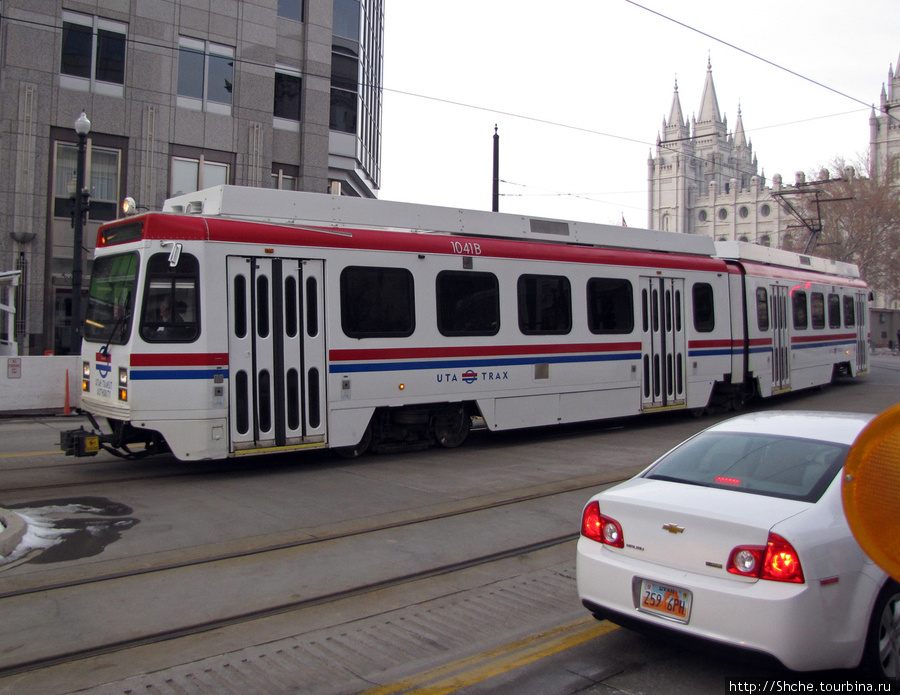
x=308, y=209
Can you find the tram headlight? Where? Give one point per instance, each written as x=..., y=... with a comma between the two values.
x=85, y=377
x=123, y=383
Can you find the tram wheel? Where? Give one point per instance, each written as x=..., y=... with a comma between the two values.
x=451, y=425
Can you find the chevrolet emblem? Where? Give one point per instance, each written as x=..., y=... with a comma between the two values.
x=673, y=528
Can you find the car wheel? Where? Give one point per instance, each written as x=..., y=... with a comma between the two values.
x=881, y=659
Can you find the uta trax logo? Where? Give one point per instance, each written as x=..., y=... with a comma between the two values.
x=104, y=366
x=470, y=376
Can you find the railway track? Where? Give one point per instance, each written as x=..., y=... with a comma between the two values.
x=21, y=598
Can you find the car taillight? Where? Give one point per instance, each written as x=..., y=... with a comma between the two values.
x=776, y=561
x=601, y=528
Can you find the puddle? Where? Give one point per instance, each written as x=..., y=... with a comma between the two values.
x=60, y=530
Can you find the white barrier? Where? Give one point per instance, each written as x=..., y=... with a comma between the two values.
x=39, y=383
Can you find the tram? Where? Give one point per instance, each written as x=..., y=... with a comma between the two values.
x=242, y=321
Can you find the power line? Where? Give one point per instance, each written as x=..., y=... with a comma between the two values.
x=757, y=57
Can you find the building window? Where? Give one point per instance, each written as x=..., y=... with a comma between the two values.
x=347, y=19
x=286, y=109
x=723, y=214
x=291, y=9
x=344, y=90
x=93, y=54
x=702, y=216
x=205, y=75
x=744, y=212
x=285, y=177
x=765, y=240
x=191, y=174
x=765, y=210
x=102, y=172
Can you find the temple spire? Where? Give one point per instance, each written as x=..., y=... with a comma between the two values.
x=709, y=104
x=676, y=116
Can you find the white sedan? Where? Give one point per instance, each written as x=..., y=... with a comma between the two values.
x=738, y=536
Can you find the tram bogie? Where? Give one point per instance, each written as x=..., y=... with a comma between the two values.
x=241, y=322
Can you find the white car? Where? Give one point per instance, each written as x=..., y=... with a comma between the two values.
x=738, y=536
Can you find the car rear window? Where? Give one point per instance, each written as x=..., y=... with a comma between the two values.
x=798, y=469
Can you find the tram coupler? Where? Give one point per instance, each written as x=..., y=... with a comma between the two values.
x=79, y=442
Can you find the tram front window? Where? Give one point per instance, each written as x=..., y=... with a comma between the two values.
x=111, y=299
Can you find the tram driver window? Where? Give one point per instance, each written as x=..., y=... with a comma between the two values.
x=171, y=312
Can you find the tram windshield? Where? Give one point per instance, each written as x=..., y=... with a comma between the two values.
x=110, y=305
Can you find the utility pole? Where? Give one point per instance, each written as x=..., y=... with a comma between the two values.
x=495, y=206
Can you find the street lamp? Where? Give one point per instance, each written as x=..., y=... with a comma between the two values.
x=82, y=127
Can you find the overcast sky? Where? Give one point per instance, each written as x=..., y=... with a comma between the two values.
x=580, y=88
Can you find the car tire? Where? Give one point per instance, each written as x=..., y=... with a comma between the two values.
x=881, y=659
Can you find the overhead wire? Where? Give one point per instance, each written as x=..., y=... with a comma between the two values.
x=543, y=121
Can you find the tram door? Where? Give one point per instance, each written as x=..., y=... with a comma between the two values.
x=862, y=337
x=781, y=339
x=276, y=353
x=664, y=345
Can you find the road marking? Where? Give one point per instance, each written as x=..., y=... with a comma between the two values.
x=23, y=454
x=479, y=667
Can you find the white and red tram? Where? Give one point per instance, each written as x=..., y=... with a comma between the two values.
x=241, y=321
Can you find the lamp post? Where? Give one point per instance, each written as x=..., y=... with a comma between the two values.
x=82, y=127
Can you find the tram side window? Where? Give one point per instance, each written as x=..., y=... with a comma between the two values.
x=704, y=308
x=468, y=303
x=817, y=309
x=834, y=311
x=849, y=312
x=545, y=304
x=171, y=312
x=377, y=302
x=762, y=309
x=798, y=304
x=610, y=303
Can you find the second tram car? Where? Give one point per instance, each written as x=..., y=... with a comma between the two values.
x=241, y=321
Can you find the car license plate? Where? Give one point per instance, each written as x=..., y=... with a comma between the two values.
x=665, y=600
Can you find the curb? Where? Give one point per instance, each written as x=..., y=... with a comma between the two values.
x=13, y=531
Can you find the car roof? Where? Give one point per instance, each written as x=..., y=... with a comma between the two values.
x=840, y=428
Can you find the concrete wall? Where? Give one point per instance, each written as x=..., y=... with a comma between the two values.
x=39, y=383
